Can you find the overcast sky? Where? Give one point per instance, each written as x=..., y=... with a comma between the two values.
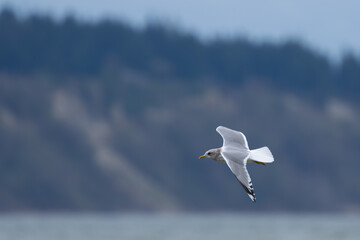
x=331, y=26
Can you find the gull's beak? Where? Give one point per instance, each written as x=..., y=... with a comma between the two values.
x=202, y=156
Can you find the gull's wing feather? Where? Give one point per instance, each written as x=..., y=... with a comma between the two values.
x=232, y=138
x=236, y=160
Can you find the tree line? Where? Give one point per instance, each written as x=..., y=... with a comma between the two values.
x=38, y=43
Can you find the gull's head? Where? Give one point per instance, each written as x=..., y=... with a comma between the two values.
x=212, y=153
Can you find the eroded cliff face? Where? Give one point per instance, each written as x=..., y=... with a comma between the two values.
x=133, y=145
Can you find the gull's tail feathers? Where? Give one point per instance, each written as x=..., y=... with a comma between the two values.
x=261, y=155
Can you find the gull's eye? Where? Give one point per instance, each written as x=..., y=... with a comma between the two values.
x=208, y=153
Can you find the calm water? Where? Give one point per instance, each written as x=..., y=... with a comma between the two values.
x=178, y=226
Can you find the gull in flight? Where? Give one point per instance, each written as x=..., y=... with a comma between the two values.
x=236, y=154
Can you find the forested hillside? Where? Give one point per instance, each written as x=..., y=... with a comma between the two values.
x=104, y=116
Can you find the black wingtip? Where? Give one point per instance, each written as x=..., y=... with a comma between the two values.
x=250, y=191
x=252, y=197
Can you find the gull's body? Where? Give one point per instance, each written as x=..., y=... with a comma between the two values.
x=236, y=154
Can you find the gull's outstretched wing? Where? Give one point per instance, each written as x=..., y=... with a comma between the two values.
x=232, y=138
x=236, y=160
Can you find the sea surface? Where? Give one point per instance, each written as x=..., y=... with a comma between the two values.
x=178, y=226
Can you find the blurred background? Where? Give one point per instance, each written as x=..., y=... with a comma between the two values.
x=106, y=106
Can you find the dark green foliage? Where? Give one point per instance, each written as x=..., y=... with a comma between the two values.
x=38, y=44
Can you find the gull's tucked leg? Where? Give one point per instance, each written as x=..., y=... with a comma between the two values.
x=259, y=162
